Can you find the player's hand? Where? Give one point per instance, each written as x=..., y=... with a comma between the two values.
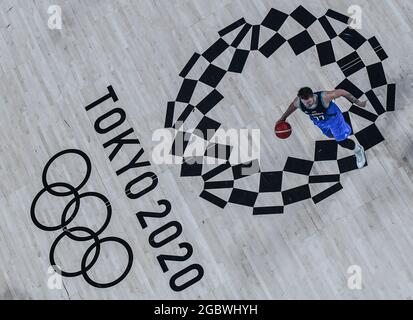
x=362, y=104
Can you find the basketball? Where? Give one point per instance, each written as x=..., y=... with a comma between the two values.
x=282, y=130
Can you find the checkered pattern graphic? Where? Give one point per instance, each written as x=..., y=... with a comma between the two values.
x=211, y=75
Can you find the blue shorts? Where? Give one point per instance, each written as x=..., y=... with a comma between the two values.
x=336, y=126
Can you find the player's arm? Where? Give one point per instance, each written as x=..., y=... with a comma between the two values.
x=289, y=111
x=331, y=95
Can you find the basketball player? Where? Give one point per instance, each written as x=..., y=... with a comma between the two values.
x=326, y=115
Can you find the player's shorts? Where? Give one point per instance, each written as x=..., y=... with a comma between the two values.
x=336, y=126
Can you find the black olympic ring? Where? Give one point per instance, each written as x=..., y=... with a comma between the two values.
x=65, y=221
x=84, y=269
x=81, y=185
x=86, y=194
x=53, y=248
x=37, y=197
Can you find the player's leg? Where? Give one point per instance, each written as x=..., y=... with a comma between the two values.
x=338, y=128
x=347, y=144
x=341, y=131
x=357, y=149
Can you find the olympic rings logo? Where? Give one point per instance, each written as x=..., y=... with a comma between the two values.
x=65, y=221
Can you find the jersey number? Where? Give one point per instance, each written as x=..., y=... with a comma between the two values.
x=319, y=118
